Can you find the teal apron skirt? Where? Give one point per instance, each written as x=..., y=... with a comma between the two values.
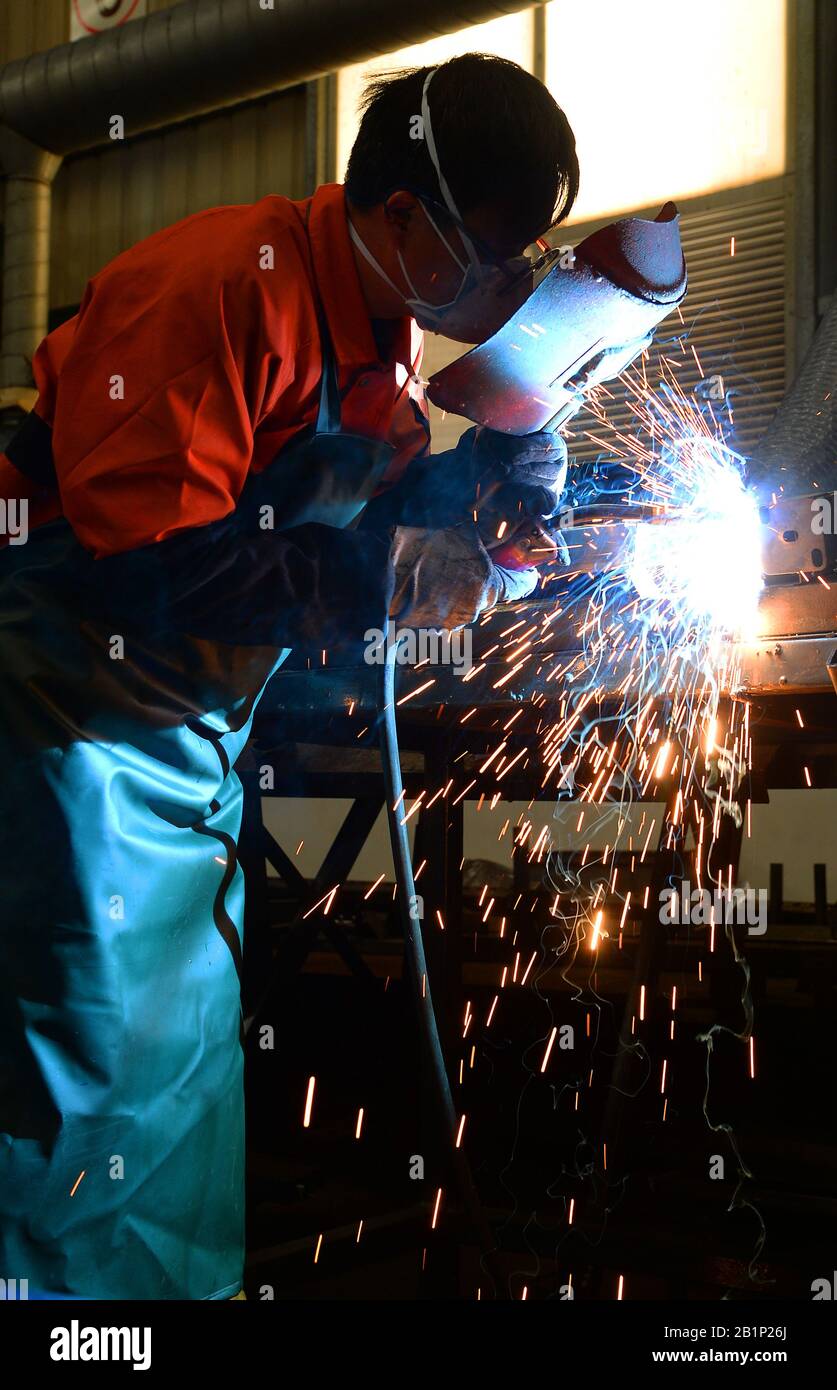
x=121, y=1098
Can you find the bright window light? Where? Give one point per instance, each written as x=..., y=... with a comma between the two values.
x=668, y=99
x=508, y=37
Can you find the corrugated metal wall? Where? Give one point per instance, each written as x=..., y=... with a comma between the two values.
x=734, y=314
x=107, y=199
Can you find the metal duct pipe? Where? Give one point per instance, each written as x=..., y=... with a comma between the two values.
x=25, y=286
x=204, y=54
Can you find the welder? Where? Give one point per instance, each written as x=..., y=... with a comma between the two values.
x=229, y=457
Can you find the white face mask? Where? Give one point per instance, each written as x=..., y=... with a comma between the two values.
x=477, y=310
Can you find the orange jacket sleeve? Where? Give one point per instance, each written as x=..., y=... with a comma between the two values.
x=152, y=414
x=177, y=356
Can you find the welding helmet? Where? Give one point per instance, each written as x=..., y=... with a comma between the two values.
x=584, y=323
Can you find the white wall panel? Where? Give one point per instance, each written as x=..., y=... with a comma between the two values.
x=668, y=98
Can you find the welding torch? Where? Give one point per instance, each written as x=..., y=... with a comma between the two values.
x=536, y=543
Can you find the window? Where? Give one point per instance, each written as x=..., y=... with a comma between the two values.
x=668, y=100
x=510, y=37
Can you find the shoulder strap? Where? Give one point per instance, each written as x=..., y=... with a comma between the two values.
x=329, y=412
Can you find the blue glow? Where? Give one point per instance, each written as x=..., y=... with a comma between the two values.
x=702, y=565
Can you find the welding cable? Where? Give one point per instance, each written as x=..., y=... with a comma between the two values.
x=414, y=949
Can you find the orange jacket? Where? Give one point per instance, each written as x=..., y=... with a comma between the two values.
x=195, y=356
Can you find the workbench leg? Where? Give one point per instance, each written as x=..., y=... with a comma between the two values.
x=624, y=1110
x=302, y=933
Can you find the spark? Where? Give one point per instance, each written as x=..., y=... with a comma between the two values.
x=309, y=1102
x=553, y=1035
x=661, y=609
x=327, y=898
x=411, y=695
x=597, y=928
x=662, y=761
x=370, y=891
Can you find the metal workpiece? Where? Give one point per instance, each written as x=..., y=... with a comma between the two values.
x=796, y=631
x=798, y=665
x=798, y=537
x=791, y=649
x=801, y=665
x=796, y=548
x=802, y=610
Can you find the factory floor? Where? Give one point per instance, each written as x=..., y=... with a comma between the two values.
x=339, y=1217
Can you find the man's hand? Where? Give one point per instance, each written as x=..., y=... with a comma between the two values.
x=520, y=475
x=505, y=476
x=446, y=578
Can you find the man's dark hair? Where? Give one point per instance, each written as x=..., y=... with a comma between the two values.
x=502, y=142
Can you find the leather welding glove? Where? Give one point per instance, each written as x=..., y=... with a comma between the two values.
x=446, y=578
x=509, y=475
x=524, y=475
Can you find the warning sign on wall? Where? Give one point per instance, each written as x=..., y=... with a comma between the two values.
x=95, y=16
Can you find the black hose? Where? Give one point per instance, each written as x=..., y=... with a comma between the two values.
x=414, y=946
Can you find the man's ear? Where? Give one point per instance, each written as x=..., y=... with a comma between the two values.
x=400, y=207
